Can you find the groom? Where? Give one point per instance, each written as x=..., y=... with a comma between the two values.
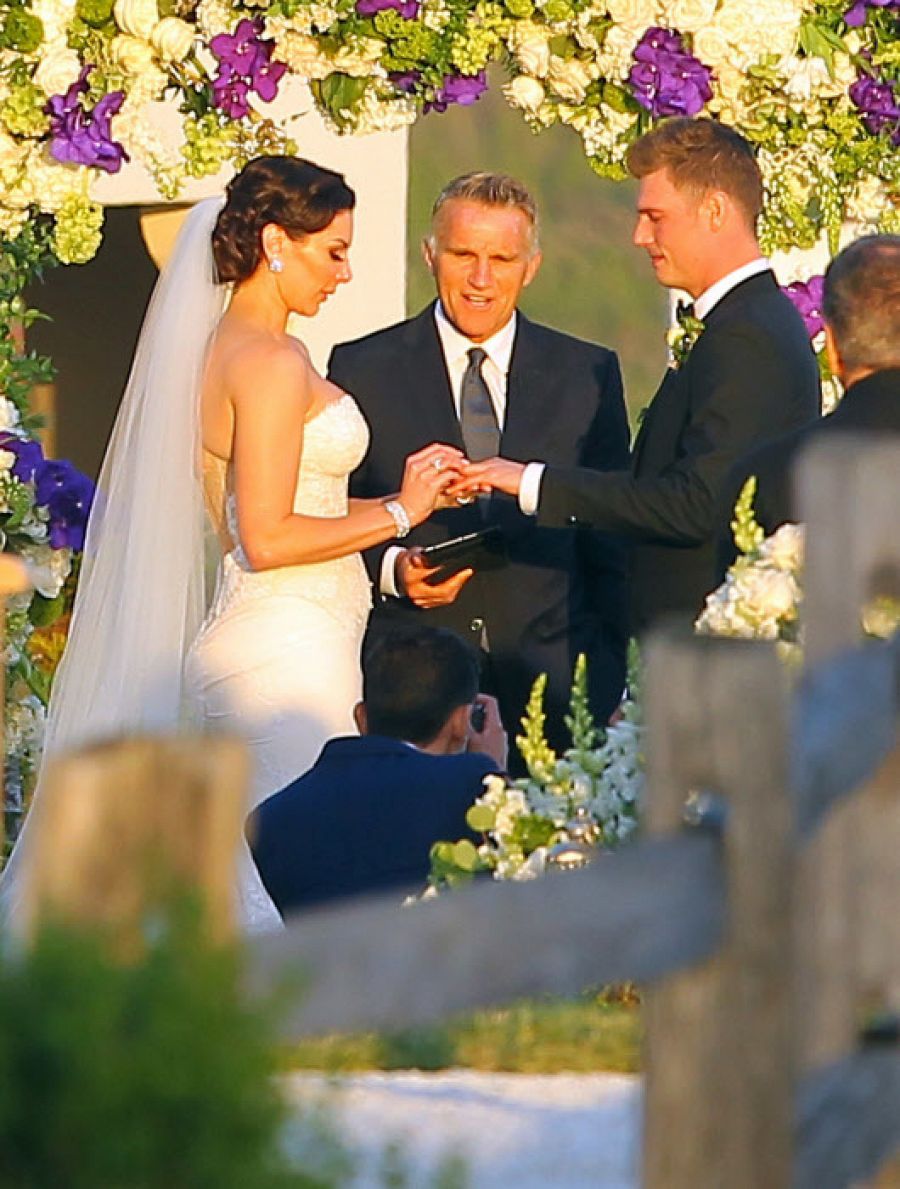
x=472, y=371
x=750, y=374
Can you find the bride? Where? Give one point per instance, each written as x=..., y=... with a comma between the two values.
x=224, y=408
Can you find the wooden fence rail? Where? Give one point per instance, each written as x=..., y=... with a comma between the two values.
x=762, y=945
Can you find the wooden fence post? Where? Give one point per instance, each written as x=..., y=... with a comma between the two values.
x=718, y=1054
x=119, y=822
x=848, y=923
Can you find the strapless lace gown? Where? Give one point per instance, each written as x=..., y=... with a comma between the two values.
x=277, y=660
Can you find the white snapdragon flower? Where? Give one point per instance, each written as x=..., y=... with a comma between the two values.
x=526, y=93
x=172, y=39
x=569, y=79
x=57, y=71
x=784, y=549
x=530, y=44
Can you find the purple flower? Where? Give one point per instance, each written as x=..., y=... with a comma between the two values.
x=807, y=298
x=80, y=137
x=407, y=8
x=245, y=65
x=875, y=99
x=67, y=495
x=464, y=89
x=29, y=455
x=858, y=12
x=406, y=81
x=665, y=78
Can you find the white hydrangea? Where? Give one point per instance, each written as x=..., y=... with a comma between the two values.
x=300, y=52
x=758, y=29
x=383, y=114
x=530, y=45
x=214, y=17
x=615, y=59
x=605, y=131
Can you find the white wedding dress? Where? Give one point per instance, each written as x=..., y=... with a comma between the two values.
x=277, y=660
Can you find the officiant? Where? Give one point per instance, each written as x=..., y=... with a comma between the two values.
x=471, y=370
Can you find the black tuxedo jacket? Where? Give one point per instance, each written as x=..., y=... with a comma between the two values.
x=871, y=405
x=362, y=819
x=751, y=374
x=562, y=593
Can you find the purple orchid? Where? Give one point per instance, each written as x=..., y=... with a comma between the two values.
x=29, y=455
x=665, y=78
x=464, y=89
x=406, y=81
x=858, y=12
x=82, y=137
x=67, y=494
x=807, y=297
x=245, y=65
x=877, y=103
x=407, y=8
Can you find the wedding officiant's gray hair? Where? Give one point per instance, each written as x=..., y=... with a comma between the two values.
x=490, y=189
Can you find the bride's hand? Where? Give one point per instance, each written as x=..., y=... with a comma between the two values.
x=426, y=476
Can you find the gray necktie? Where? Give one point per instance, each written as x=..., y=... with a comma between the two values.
x=477, y=419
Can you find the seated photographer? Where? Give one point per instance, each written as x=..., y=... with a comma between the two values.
x=365, y=816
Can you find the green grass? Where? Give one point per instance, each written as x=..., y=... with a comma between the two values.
x=598, y=1033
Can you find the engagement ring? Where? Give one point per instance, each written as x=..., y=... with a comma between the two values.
x=438, y=463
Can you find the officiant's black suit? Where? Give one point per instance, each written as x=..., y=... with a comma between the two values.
x=751, y=375
x=562, y=593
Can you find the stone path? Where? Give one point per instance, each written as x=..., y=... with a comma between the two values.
x=514, y=1131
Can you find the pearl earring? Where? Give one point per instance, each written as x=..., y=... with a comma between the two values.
x=276, y=264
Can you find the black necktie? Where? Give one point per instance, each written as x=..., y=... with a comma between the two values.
x=477, y=419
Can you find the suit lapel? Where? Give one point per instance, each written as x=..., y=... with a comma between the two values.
x=528, y=391
x=670, y=380
x=427, y=379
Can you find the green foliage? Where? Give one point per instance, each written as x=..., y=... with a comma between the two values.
x=748, y=534
x=22, y=260
x=139, y=1076
x=454, y=863
x=95, y=12
x=21, y=31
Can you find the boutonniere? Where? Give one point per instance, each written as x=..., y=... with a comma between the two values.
x=682, y=336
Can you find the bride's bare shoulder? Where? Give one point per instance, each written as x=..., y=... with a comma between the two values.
x=270, y=364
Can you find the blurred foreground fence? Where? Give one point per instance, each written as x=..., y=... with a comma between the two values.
x=761, y=910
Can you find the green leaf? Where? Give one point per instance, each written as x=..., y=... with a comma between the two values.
x=481, y=818
x=44, y=611
x=340, y=93
x=466, y=856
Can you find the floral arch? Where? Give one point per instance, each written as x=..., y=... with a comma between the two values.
x=814, y=84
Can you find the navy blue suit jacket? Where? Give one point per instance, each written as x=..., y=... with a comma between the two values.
x=362, y=819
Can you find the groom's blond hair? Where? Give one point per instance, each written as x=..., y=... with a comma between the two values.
x=490, y=189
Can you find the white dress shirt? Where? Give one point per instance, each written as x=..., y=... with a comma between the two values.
x=495, y=370
x=530, y=486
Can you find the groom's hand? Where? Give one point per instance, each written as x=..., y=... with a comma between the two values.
x=412, y=573
x=494, y=474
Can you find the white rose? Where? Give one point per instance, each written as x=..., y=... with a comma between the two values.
x=688, y=16
x=569, y=79
x=137, y=17
x=57, y=71
x=131, y=54
x=9, y=414
x=634, y=14
x=172, y=39
x=531, y=48
x=525, y=93
x=784, y=549
x=711, y=46
x=767, y=595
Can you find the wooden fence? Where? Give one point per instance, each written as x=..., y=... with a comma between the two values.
x=765, y=924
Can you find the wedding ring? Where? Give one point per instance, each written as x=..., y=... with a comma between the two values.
x=438, y=463
x=462, y=500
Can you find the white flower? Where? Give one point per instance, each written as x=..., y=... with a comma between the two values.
x=9, y=415
x=634, y=14
x=57, y=71
x=767, y=594
x=47, y=568
x=570, y=79
x=808, y=78
x=784, y=549
x=172, y=39
x=689, y=16
x=615, y=59
x=525, y=92
x=7, y=461
x=137, y=17
x=868, y=201
x=132, y=54
x=530, y=44
x=711, y=46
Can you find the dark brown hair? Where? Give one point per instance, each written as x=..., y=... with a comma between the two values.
x=862, y=302
x=297, y=195
x=701, y=155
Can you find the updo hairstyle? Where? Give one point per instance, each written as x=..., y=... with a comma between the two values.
x=297, y=195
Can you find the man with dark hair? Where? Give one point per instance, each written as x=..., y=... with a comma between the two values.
x=749, y=372
x=365, y=816
x=472, y=371
x=861, y=307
